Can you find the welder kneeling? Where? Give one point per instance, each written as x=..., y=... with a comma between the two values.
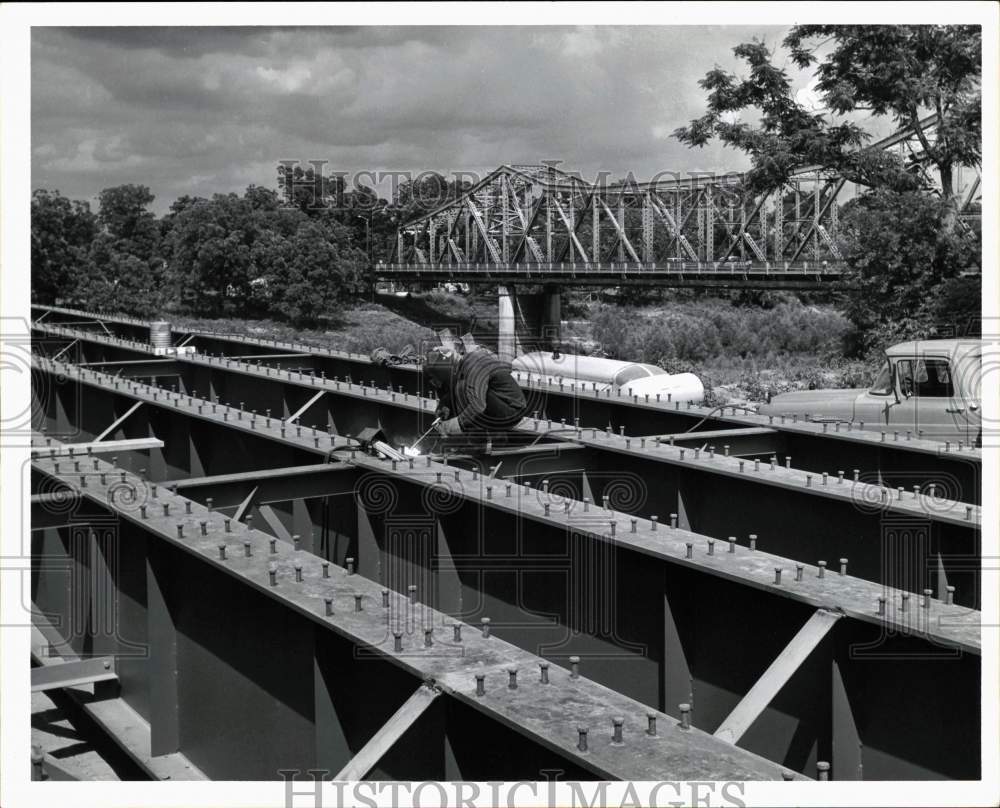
x=477, y=394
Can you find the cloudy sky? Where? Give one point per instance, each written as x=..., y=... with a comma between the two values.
x=205, y=110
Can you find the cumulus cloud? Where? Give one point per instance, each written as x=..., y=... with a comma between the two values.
x=205, y=110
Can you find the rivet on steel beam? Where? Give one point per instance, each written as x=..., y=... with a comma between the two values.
x=273, y=545
x=673, y=520
x=574, y=667
x=350, y=565
x=228, y=525
x=927, y=599
x=682, y=454
x=857, y=475
x=247, y=548
x=711, y=547
x=685, y=716
x=581, y=742
x=480, y=684
x=753, y=541
x=586, y=504
x=489, y=492
x=689, y=549
x=412, y=590
x=83, y=481
x=222, y=550
x=843, y=566
x=456, y=629
x=142, y=511
x=651, y=724
x=485, y=624
x=187, y=507
x=821, y=569
x=613, y=525
x=204, y=527
x=357, y=602
x=825, y=478
x=881, y=606
x=298, y=571
x=968, y=513
x=741, y=463
x=822, y=770
x=512, y=678
x=397, y=642
x=328, y=602
x=904, y=601
x=272, y=573
x=788, y=461
x=546, y=507
x=798, y=572
x=809, y=481
x=616, y=736
x=104, y=478
x=777, y=575
x=840, y=477
x=950, y=595
x=428, y=637
x=653, y=521
x=208, y=504
x=543, y=668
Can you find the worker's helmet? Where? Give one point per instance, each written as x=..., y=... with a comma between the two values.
x=438, y=366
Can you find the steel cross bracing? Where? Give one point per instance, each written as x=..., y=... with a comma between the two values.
x=944, y=622
x=534, y=222
x=435, y=647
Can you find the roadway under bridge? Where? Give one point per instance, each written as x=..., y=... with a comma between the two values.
x=628, y=589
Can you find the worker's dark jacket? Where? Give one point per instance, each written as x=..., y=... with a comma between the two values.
x=483, y=394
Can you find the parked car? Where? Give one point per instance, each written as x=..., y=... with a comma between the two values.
x=931, y=386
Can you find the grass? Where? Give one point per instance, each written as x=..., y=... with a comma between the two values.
x=361, y=328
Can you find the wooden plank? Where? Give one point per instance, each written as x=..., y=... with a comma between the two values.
x=103, y=447
x=118, y=421
x=775, y=677
x=390, y=732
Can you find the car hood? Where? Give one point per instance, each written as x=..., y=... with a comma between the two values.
x=819, y=404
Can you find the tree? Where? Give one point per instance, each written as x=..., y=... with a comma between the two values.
x=61, y=234
x=317, y=269
x=906, y=71
x=124, y=215
x=910, y=272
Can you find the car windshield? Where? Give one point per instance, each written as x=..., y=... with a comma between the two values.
x=882, y=385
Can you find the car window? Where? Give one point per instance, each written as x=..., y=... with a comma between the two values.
x=882, y=383
x=925, y=378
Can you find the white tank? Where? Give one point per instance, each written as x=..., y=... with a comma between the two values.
x=589, y=371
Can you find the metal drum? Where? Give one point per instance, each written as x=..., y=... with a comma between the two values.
x=159, y=335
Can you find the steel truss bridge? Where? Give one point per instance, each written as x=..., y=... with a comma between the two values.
x=538, y=224
x=656, y=591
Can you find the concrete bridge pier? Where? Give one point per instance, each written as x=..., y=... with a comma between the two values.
x=550, y=327
x=527, y=322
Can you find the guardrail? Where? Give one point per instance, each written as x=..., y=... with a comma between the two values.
x=765, y=268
